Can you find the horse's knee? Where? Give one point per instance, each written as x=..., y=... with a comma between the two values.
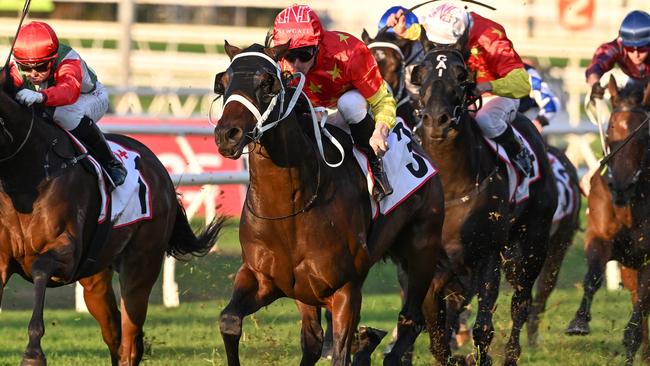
x=230, y=324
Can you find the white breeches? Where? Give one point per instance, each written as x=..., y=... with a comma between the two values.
x=496, y=113
x=92, y=105
x=352, y=107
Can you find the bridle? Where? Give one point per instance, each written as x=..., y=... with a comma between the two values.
x=261, y=126
x=400, y=96
x=467, y=103
x=7, y=133
x=608, y=176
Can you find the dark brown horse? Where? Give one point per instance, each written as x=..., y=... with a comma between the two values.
x=306, y=230
x=389, y=52
x=49, y=207
x=619, y=205
x=482, y=225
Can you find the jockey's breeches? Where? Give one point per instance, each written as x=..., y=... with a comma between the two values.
x=93, y=105
x=496, y=113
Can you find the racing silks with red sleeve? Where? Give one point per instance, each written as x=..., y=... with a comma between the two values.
x=344, y=63
x=613, y=53
x=494, y=59
x=69, y=78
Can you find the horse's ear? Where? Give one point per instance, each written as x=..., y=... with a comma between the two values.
x=646, y=97
x=278, y=51
x=417, y=75
x=611, y=86
x=231, y=50
x=366, y=37
x=219, y=85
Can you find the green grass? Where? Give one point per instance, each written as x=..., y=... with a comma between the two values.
x=188, y=335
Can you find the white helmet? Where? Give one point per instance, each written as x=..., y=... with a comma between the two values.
x=446, y=23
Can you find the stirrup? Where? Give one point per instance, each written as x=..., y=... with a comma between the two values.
x=523, y=162
x=117, y=172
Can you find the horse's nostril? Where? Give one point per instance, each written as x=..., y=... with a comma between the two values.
x=233, y=134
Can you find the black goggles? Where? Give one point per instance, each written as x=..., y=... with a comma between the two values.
x=42, y=67
x=303, y=54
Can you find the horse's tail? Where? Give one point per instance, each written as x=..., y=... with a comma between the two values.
x=183, y=240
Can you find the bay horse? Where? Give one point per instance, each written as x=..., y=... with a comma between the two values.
x=482, y=225
x=49, y=209
x=306, y=231
x=619, y=204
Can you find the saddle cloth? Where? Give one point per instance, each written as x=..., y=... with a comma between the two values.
x=406, y=169
x=565, y=199
x=519, y=186
x=131, y=201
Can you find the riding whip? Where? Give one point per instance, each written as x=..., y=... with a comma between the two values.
x=20, y=24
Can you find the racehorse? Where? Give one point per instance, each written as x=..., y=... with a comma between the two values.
x=482, y=225
x=391, y=52
x=306, y=230
x=619, y=204
x=49, y=210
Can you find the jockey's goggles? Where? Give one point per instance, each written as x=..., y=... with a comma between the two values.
x=303, y=54
x=40, y=67
x=642, y=49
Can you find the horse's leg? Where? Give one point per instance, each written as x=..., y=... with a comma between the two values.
x=629, y=278
x=311, y=333
x=547, y=280
x=633, y=331
x=42, y=269
x=488, y=274
x=534, y=246
x=598, y=252
x=100, y=299
x=346, y=309
x=249, y=295
x=439, y=324
x=138, y=272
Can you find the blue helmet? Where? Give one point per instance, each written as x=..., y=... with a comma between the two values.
x=635, y=29
x=410, y=17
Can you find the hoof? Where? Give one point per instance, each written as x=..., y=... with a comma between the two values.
x=578, y=326
x=230, y=325
x=39, y=361
x=472, y=360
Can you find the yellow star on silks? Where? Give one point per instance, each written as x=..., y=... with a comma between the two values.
x=335, y=72
x=497, y=32
x=315, y=88
x=343, y=38
x=480, y=74
x=475, y=52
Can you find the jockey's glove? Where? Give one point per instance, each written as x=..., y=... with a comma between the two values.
x=29, y=97
x=597, y=92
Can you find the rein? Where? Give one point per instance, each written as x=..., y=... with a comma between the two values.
x=22, y=144
x=606, y=159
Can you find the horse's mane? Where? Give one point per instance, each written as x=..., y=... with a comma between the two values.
x=631, y=95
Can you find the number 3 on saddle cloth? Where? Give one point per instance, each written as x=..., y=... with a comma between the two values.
x=406, y=169
x=126, y=204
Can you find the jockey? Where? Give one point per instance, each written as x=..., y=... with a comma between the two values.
x=542, y=104
x=501, y=77
x=52, y=74
x=629, y=51
x=408, y=24
x=340, y=72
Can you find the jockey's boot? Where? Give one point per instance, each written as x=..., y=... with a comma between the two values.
x=94, y=139
x=516, y=151
x=361, y=133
